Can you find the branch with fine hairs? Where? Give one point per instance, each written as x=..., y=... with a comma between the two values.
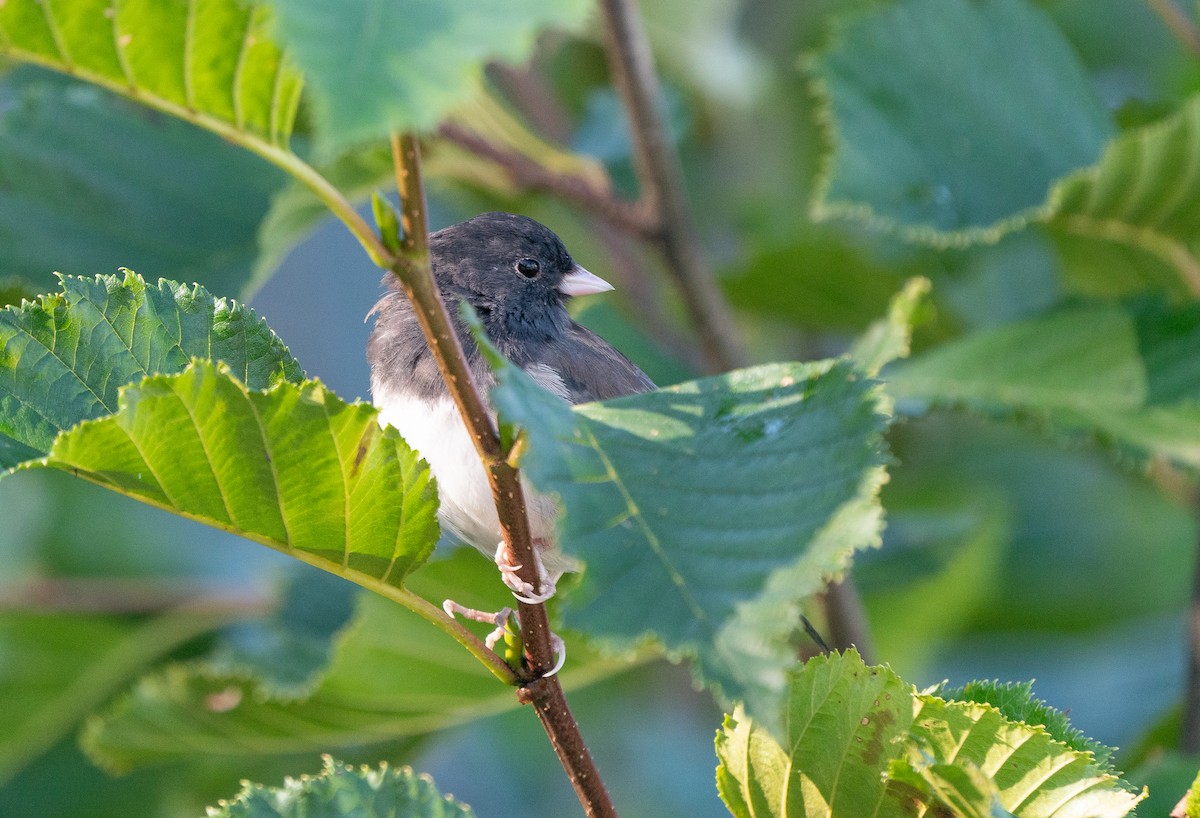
x=661, y=177
x=412, y=269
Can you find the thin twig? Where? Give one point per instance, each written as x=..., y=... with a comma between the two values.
x=530, y=174
x=527, y=89
x=128, y=595
x=1189, y=736
x=1180, y=24
x=413, y=271
x=661, y=176
x=847, y=619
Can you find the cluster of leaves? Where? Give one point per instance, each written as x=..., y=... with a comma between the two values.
x=857, y=740
x=705, y=514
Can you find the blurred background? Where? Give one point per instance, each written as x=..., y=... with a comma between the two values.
x=1011, y=552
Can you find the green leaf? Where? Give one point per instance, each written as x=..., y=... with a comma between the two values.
x=393, y=676
x=93, y=182
x=14, y=290
x=63, y=358
x=1125, y=374
x=206, y=61
x=56, y=668
x=982, y=108
x=1144, y=194
x=1071, y=519
x=706, y=511
x=854, y=744
x=376, y=67
x=890, y=337
x=966, y=791
x=288, y=651
x=1193, y=799
x=1015, y=700
x=817, y=279
x=294, y=468
x=1080, y=358
x=341, y=790
x=942, y=558
x=842, y=722
x=1026, y=771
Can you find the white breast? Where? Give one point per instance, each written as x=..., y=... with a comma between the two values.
x=467, y=509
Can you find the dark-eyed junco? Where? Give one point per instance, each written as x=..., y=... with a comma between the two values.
x=517, y=275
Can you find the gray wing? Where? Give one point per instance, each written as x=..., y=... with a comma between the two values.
x=584, y=367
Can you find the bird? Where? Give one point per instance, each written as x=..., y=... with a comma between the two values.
x=517, y=276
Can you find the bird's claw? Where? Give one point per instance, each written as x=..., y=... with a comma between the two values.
x=525, y=591
x=500, y=620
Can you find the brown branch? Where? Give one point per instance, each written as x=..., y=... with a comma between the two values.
x=847, y=619
x=123, y=595
x=661, y=177
x=1180, y=24
x=526, y=88
x=530, y=174
x=548, y=701
x=412, y=269
x=1189, y=734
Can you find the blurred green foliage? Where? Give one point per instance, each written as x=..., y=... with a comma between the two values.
x=1018, y=527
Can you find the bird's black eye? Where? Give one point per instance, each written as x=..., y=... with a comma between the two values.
x=529, y=267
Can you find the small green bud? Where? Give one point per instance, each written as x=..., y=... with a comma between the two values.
x=387, y=220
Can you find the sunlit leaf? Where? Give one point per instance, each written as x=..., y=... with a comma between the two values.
x=706, y=511
x=64, y=358
x=842, y=721
x=206, y=61
x=293, y=467
x=953, y=747
x=342, y=790
x=852, y=743
x=1144, y=194
x=1016, y=702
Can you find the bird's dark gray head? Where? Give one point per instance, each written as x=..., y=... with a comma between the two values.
x=510, y=269
x=514, y=272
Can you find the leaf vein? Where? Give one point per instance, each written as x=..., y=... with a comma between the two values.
x=262, y=431
x=651, y=537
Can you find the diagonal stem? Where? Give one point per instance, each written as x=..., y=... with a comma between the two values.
x=533, y=175
x=412, y=269
x=1180, y=24
x=1189, y=734
x=661, y=177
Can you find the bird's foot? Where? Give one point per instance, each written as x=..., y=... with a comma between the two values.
x=501, y=620
x=560, y=653
x=524, y=591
